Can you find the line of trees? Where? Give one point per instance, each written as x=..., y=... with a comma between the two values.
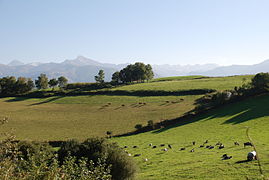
x=11, y=85
x=42, y=82
x=138, y=72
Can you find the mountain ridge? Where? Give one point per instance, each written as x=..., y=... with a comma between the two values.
x=82, y=69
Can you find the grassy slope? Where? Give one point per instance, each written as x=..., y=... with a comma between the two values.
x=218, y=83
x=83, y=116
x=177, y=78
x=227, y=124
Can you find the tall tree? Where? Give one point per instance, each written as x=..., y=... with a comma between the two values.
x=100, y=77
x=41, y=82
x=53, y=83
x=261, y=81
x=62, y=81
x=136, y=72
x=149, y=72
x=116, y=77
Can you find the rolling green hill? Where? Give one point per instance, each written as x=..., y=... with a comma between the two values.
x=226, y=125
x=59, y=118
x=186, y=83
x=79, y=117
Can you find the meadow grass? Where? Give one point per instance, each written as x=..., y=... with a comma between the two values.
x=217, y=83
x=60, y=118
x=176, y=78
x=227, y=125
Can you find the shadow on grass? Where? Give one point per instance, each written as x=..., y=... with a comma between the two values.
x=242, y=161
x=46, y=101
x=17, y=99
x=236, y=113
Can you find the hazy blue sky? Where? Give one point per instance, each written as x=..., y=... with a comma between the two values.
x=119, y=31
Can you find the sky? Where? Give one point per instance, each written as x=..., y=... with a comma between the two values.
x=152, y=31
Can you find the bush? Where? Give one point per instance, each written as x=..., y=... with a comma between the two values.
x=138, y=126
x=34, y=160
x=151, y=124
x=261, y=81
x=88, y=86
x=122, y=166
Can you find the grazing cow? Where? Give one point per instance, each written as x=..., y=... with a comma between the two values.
x=206, y=142
x=236, y=143
x=218, y=143
x=125, y=146
x=193, y=143
x=134, y=146
x=122, y=105
x=136, y=155
x=221, y=146
x=150, y=144
x=207, y=146
x=167, y=101
x=211, y=147
x=192, y=150
x=225, y=157
x=202, y=146
x=181, y=149
x=169, y=146
x=248, y=144
x=162, y=145
x=154, y=147
x=165, y=149
x=251, y=156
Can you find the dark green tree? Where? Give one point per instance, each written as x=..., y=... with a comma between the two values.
x=138, y=72
x=62, y=81
x=100, y=77
x=53, y=83
x=149, y=72
x=41, y=82
x=260, y=81
x=116, y=77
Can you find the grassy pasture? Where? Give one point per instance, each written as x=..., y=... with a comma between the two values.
x=59, y=118
x=218, y=83
x=176, y=78
x=80, y=117
x=227, y=125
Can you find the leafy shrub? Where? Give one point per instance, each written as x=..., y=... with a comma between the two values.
x=138, y=126
x=261, y=81
x=151, y=124
x=122, y=166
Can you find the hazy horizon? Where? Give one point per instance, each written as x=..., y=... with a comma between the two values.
x=172, y=32
x=43, y=62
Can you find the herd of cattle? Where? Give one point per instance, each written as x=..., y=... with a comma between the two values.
x=250, y=156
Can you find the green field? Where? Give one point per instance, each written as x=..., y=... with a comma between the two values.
x=80, y=117
x=177, y=78
x=59, y=118
x=218, y=83
x=226, y=125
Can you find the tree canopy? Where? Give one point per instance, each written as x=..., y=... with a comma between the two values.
x=134, y=72
x=41, y=82
x=100, y=77
x=11, y=86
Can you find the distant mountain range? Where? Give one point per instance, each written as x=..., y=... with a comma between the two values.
x=83, y=69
